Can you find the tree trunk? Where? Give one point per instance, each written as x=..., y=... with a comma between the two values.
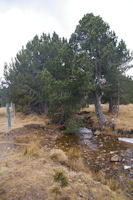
x=97, y=97
x=100, y=116
x=110, y=105
x=45, y=107
x=118, y=101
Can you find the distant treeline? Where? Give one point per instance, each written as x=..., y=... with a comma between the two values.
x=58, y=77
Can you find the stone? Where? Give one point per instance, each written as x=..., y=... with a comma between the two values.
x=85, y=131
x=111, y=152
x=127, y=167
x=97, y=133
x=101, y=145
x=80, y=194
x=115, y=158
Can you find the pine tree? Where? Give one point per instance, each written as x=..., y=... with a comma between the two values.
x=105, y=55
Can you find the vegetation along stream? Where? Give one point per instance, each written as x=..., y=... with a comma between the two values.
x=105, y=156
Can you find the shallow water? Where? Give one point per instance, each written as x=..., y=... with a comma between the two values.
x=97, y=153
x=128, y=140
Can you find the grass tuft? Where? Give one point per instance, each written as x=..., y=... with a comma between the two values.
x=60, y=177
x=56, y=190
x=33, y=150
x=58, y=155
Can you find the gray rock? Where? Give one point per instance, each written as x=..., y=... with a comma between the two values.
x=127, y=167
x=85, y=131
x=115, y=158
x=97, y=133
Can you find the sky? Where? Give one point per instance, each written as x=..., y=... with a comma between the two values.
x=21, y=20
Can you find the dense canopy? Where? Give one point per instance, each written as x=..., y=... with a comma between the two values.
x=58, y=77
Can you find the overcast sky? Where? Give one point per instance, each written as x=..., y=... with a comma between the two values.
x=21, y=20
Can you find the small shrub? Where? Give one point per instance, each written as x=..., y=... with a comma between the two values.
x=73, y=126
x=60, y=177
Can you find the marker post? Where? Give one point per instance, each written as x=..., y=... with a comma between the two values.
x=8, y=115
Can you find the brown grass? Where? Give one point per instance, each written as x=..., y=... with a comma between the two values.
x=33, y=150
x=125, y=120
x=28, y=172
x=20, y=120
x=59, y=156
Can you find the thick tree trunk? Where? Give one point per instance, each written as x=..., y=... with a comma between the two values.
x=98, y=109
x=110, y=105
x=97, y=97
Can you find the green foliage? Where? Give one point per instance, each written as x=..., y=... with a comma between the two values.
x=3, y=94
x=61, y=178
x=107, y=58
x=56, y=77
x=73, y=126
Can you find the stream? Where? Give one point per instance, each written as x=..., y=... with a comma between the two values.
x=102, y=153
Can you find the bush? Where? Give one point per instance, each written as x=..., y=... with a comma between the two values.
x=73, y=126
x=60, y=177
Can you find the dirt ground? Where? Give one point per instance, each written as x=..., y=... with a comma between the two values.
x=35, y=169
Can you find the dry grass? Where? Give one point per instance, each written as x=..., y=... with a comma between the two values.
x=75, y=152
x=59, y=156
x=125, y=120
x=33, y=150
x=20, y=120
x=76, y=164
x=29, y=173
